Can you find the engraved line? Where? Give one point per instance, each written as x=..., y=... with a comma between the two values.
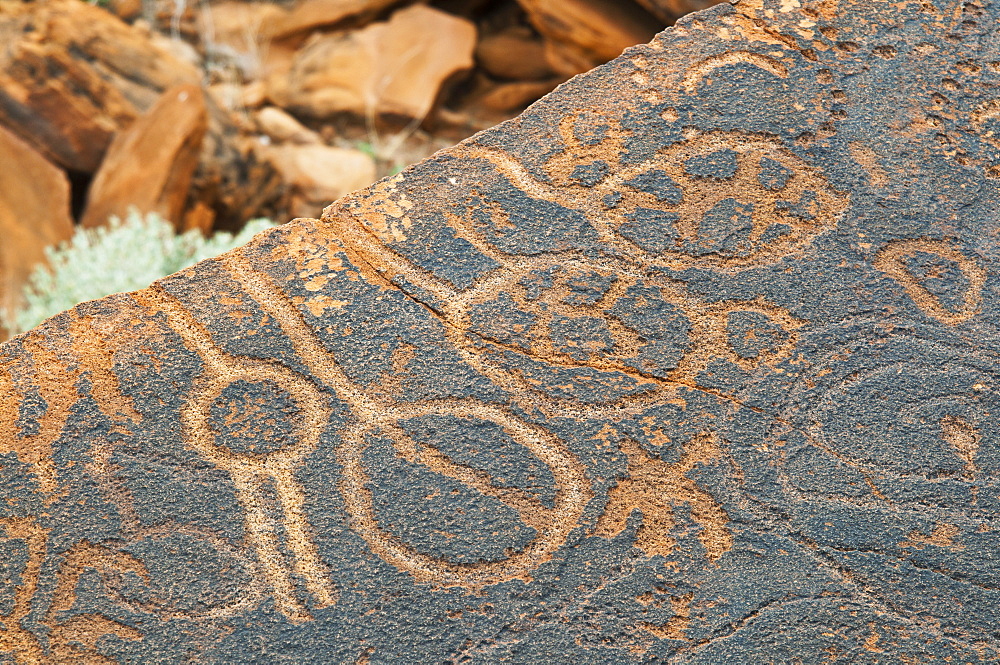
x=529, y=508
x=890, y=261
x=702, y=69
x=572, y=488
x=248, y=472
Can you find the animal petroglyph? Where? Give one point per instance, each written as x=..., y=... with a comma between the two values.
x=654, y=487
x=723, y=200
x=586, y=315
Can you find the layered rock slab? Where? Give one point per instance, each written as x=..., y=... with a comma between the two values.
x=694, y=361
x=72, y=75
x=149, y=166
x=34, y=214
x=387, y=68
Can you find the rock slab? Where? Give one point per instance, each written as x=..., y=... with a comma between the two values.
x=34, y=214
x=387, y=68
x=71, y=75
x=149, y=166
x=695, y=361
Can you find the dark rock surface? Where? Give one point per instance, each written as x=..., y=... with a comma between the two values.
x=696, y=361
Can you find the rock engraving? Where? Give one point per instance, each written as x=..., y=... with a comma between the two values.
x=942, y=282
x=695, y=361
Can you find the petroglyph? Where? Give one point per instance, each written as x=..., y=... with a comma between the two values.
x=696, y=360
x=721, y=199
x=594, y=146
x=252, y=472
x=568, y=292
x=724, y=200
x=748, y=334
x=938, y=413
x=552, y=525
x=86, y=358
x=75, y=639
x=705, y=68
x=69, y=639
x=33, y=444
x=14, y=639
x=950, y=287
x=654, y=487
x=575, y=315
x=569, y=314
x=572, y=315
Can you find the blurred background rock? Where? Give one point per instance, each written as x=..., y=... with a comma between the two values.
x=213, y=113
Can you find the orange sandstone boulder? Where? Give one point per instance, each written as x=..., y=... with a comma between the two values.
x=310, y=15
x=244, y=27
x=283, y=127
x=582, y=34
x=514, y=53
x=316, y=174
x=150, y=165
x=389, y=68
x=72, y=74
x=34, y=214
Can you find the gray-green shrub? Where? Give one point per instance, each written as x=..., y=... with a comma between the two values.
x=123, y=256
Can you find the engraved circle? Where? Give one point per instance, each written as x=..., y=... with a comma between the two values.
x=571, y=496
x=202, y=415
x=891, y=419
x=722, y=199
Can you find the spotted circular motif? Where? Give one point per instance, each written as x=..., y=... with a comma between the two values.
x=723, y=199
x=254, y=417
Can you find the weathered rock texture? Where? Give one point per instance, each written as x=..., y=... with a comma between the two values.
x=696, y=361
